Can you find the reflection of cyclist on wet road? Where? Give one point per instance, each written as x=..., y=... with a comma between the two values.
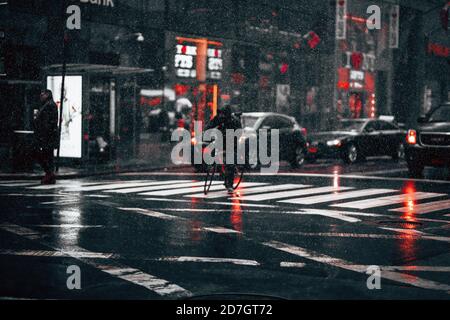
x=222, y=121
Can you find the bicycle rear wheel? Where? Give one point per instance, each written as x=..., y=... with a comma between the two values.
x=238, y=175
x=210, y=172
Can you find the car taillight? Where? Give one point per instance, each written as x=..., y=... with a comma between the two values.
x=194, y=141
x=304, y=131
x=412, y=137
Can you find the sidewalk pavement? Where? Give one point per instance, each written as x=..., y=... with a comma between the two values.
x=150, y=158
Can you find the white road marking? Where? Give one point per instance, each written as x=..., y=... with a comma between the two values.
x=158, y=185
x=381, y=172
x=239, y=204
x=97, y=196
x=363, y=235
x=389, y=200
x=68, y=184
x=294, y=193
x=159, y=286
x=218, y=186
x=425, y=207
x=335, y=214
x=221, y=230
x=340, y=263
x=61, y=201
x=19, y=184
x=338, y=196
x=293, y=174
x=407, y=231
x=285, y=264
x=110, y=186
x=242, y=262
x=212, y=210
x=48, y=195
x=151, y=213
x=167, y=200
x=58, y=254
x=244, y=193
x=100, y=255
x=416, y=268
x=68, y=226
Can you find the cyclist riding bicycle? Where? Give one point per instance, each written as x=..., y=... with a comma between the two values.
x=222, y=121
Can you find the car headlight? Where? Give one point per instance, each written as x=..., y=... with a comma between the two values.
x=334, y=143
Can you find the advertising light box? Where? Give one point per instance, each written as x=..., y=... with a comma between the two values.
x=71, y=127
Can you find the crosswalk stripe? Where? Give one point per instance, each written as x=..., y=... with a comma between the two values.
x=242, y=262
x=347, y=265
x=338, y=196
x=335, y=214
x=111, y=186
x=386, y=201
x=172, y=184
x=152, y=213
x=195, y=189
x=425, y=207
x=19, y=184
x=243, y=193
x=67, y=184
x=294, y=193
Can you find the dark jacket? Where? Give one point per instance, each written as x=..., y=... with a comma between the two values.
x=46, y=126
x=224, y=123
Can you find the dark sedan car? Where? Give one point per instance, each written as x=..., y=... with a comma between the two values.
x=355, y=139
x=429, y=143
x=292, y=138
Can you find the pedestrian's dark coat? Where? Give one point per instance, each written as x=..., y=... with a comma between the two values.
x=46, y=126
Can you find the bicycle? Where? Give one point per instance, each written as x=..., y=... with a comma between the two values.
x=217, y=171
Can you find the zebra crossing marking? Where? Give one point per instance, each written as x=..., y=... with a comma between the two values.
x=243, y=193
x=18, y=184
x=389, y=200
x=158, y=185
x=167, y=188
x=242, y=262
x=249, y=191
x=293, y=193
x=338, y=196
x=109, y=186
x=335, y=214
x=68, y=184
x=152, y=213
x=218, y=186
x=423, y=208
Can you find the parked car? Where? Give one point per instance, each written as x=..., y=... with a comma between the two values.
x=428, y=144
x=292, y=138
x=355, y=139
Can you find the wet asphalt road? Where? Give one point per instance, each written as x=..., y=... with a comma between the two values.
x=309, y=233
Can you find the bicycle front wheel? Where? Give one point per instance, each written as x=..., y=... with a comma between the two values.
x=210, y=172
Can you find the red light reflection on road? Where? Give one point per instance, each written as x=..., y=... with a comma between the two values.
x=408, y=247
x=336, y=181
x=409, y=202
x=196, y=225
x=196, y=233
x=236, y=215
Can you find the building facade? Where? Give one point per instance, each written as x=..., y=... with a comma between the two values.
x=137, y=66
